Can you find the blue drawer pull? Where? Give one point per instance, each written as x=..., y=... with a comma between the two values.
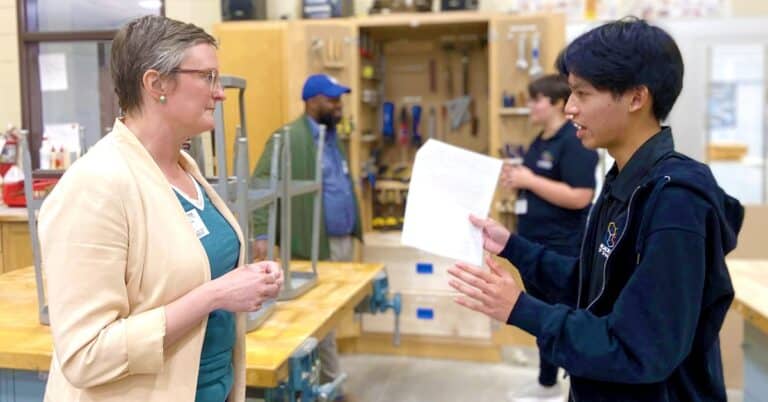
x=424, y=268
x=425, y=313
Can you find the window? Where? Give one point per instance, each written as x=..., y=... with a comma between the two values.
x=64, y=55
x=736, y=147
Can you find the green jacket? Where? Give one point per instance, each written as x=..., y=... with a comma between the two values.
x=303, y=157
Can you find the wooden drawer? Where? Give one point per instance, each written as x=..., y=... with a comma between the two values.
x=408, y=269
x=434, y=314
x=16, y=246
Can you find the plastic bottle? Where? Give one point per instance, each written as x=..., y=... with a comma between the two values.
x=55, y=158
x=64, y=155
x=45, y=154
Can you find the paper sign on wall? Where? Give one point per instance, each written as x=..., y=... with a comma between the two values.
x=53, y=72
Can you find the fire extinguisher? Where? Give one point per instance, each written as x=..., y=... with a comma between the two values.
x=10, y=152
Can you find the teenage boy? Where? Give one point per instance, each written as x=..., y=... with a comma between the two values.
x=636, y=317
x=555, y=185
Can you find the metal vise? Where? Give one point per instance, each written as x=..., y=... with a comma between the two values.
x=379, y=302
x=303, y=383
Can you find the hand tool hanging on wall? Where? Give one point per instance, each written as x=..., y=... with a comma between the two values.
x=458, y=111
x=536, y=69
x=522, y=61
x=366, y=46
x=444, y=116
x=431, y=123
x=317, y=48
x=329, y=51
x=415, y=122
x=388, y=122
x=448, y=47
x=465, y=71
x=403, y=138
x=432, y=76
x=475, y=122
x=465, y=90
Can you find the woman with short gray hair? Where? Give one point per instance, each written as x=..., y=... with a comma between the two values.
x=143, y=261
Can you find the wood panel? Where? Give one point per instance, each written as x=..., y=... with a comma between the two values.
x=17, y=246
x=423, y=346
x=751, y=242
x=505, y=76
x=253, y=51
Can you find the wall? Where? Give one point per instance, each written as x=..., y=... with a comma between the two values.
x=10, y=101
x=276, y=8
x=204, y=13
x=749, y=7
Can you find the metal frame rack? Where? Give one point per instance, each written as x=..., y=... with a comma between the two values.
x=298, y=282
x=241, y=197
x=33, y=207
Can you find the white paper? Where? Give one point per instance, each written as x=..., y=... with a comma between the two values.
x=53, y=72
x=448, y=184
x=66, y=135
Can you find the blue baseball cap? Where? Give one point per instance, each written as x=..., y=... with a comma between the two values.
x=322, y=84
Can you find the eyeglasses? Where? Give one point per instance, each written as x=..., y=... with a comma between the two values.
x=212, y=76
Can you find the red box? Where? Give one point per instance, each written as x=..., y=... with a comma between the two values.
x=13, y=193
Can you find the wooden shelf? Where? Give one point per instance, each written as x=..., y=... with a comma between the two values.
x=386, y=184
x=515, y=111
x=368, y=138
x=334, y=65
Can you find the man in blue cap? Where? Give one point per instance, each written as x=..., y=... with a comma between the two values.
x=341, y=223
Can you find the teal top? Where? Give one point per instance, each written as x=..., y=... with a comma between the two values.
x=222, y=246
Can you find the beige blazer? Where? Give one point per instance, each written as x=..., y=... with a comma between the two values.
x=117, y=247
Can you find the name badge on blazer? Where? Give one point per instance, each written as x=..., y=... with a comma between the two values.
x=197, y=223
x=344, y=167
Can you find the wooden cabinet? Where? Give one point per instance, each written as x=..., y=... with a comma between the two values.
x=275, y=57
x=16, y=246
x=426, y=59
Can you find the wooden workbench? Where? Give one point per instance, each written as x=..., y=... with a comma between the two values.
x=750, y=279
x=8, y=214
x=26, y=345
x=15, y=246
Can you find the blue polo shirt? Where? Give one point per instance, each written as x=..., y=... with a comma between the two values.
x=338, y=195
x=561, y=158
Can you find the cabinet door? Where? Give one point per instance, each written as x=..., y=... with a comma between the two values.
x=330, y=47
x=254, y=51
x=17, y=246
x=511, y=41
x=510, y=70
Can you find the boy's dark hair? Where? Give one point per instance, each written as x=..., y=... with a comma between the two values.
x=553, y=86
x=625, y=54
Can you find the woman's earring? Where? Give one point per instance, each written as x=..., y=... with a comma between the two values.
x=162, y=99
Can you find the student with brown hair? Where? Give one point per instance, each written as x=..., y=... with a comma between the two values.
x=555, y=185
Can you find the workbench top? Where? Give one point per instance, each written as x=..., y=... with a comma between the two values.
x=750, y=279
x=11, y=214
x=27, y=345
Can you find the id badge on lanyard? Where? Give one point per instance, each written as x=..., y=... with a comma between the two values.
x=521, y=204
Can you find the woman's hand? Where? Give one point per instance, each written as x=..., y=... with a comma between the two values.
x=247, y=287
